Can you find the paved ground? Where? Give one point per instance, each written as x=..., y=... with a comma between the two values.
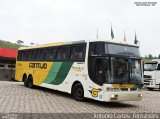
x=15, y=98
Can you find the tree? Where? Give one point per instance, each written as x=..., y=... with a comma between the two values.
x=150, y=56
x=20, y=42
x=159, y=56
x=146, y=57
x=32, y=44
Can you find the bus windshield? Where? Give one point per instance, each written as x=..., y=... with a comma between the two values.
x=124, y=71
x=114, y=63
x=150, y=66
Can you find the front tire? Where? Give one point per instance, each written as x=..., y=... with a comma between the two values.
x=78, y=92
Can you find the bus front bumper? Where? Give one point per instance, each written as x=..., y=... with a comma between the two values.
x=123, y=96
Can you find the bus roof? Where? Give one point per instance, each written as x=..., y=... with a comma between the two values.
x=78, y=42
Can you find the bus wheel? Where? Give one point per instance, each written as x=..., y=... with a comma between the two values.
x=30, y=82
x=25, y=81
x=150, y=89
x=78, y=92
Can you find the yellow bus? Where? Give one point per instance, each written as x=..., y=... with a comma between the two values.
x=97, y=69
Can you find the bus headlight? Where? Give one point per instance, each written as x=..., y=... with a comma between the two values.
x=112, y=96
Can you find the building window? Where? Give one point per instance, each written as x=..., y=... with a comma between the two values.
x=11, y=66
x=1, y=65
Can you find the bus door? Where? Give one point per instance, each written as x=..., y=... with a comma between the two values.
x=101, y=70
x=97, y=69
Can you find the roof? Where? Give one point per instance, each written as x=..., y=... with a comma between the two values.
x=80, y=41
x=8, y=53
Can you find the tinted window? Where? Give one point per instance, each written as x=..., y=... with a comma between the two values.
x=78, y=52
x=19, y=55
x=96, y=48
x=121, y=49
x=31, y=55
x=23, y=55
x=50, y=54
x=40, y=54
x=63, y=53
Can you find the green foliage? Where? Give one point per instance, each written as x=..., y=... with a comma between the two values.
x=151, y=57
x=7, y=44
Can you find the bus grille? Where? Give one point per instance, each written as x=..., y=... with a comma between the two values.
x=147, y=76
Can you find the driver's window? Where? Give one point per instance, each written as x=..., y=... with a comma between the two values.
x=158, y=68
x=99, y=72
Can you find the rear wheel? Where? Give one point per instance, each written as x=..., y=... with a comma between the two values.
x=30, y=82
x=25, y=81
x=78, y=92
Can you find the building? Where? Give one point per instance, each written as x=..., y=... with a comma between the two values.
x=7, y=63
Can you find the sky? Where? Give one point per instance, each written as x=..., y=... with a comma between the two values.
x=46, y=21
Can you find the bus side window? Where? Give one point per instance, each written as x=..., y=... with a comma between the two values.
x=96, y=48
x=63, y=53
x=158, y=68
x=19, y=57
x=50, y=54
x=31, y=55
x=24, y=55
x=40, y=54
x=78, y=52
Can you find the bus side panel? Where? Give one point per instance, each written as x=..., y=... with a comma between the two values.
x=19, y=71
x=37, y=70
x=64, y=75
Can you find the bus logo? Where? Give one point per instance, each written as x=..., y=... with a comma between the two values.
x=38, y=65
x=94, y=92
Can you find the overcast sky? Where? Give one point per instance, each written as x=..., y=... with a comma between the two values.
x=45, y=21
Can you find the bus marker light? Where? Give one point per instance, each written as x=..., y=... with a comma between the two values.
x=114, y=96
x=113, y=99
